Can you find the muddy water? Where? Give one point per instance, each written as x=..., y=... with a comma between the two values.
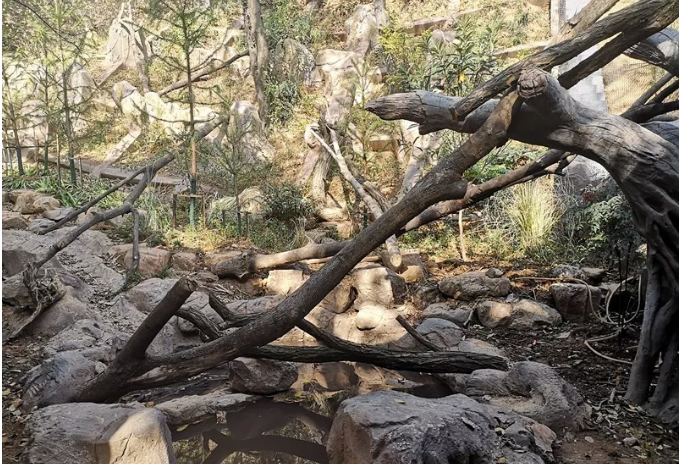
x=265, y=432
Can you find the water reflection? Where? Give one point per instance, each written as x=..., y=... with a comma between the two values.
x=264, y=432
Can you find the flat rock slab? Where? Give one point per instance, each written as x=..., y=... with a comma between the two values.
x=261, y=376
x=472, y=285
x=390, y=427
x=197, y=408
x=88, y=433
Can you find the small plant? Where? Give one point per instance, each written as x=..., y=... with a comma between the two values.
x=285, y=202
x=282, y=95
x=285, y=19
x=532, y=212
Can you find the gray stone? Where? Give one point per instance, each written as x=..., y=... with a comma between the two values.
x=284, y=281
x=494, y=314
x=474, y=285
x=473, y=345
x=529, y=314
x=244, y=119
x=566, y=270
x=378, y=284
x=370, y=315
x=457, y=315
x=88, y=433
x=57, y=214
x=13, y=220
x=573, y=301
x=294, y=61
x=13, y=195
x=340, y=299
x=494, y=273
x=25, y=200
x=594, y=275
x=15, y=293
x=61, y=315
x=38, y=225
x=537, y=391
x=486, y=382
x=93, y=339
x=57, y=379
x=45, y=203
x=184, y=261
x=440, y=332
x=261, y=376
x=390, y=427
x=197, y=408
x=152, y=261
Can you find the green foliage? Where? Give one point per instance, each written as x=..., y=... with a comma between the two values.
x=417, y=62
x=282, y=96
x=500, y=161
x=602, y=221
x=285, y=202
x=285, y=19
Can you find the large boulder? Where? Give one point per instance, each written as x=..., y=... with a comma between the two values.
x=152, y=261
x=261, y=376
x=457, y=315
x=534, y=390
x=575, y=302
x=294, y=61
x=390, y=427
x=88, y=433
x=246, y=126
x=472, y=285
x=25, y=202
x=57, y=379
x=184, y=261
x=62, y=314
x=440, y=332
x=378, y=284
x=13, y=220
x=93, y=339
x=523, y=314
x=370, y=315
x=192, y=409
x=284, y=281
x=362, y=28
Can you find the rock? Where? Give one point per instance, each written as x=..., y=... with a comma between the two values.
x=370, y=315
x=332, y=214
x=15, y=293
x=244, y=119
x=192, y=409
x=45, y=203
x=573, y=302
x=524, y=314
x=388, y=427
x=566, y=270
x=529, y=314
x=13, y=220
x=494, y=314
x=61, y=315
x=457, y=315
x=284, y=281
x=38, y=225
x=57, y=214
x=5, y=196
x=294, y=61
x=93, y=339
x=117, y=253
x=474, y=285
x=261, y=376
x=340, y=299
x=486, y=382
x=630, y=441
x=152, y=261
x=361, y=29
x=441, y=333
x=87, y=216
x=335, y=376
x=24, y=202
x=255, y=306
x=426, y=294
x=13, y=195
x=494, y=273
x=122, y=90
x=184, y=261
x=378, y=284
x=82, y=84
x=593, y=275
x=472, y=345
x=414, y=270
x=57, y=379
x=534, y=390
x=88, y=433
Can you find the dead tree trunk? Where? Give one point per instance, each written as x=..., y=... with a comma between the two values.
x=643, y=163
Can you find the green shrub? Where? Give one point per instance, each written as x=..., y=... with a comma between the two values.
x=286, y=19
x=285, y=202
x=281, y=96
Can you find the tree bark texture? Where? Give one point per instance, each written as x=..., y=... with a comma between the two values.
x=259, y=54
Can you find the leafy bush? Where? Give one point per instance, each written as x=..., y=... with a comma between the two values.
x=453, y=67
x=286, y=203
x=286, y=19
x=281, y=96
